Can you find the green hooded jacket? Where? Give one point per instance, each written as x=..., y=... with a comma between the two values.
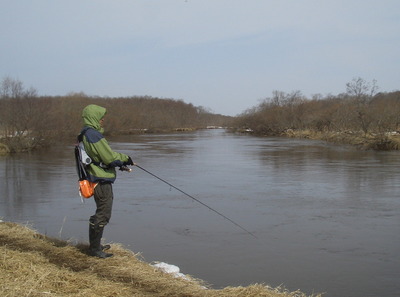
x=97, y=146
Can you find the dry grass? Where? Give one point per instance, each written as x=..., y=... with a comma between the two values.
x=35, y=265
x=377, y=142
x=4, y=150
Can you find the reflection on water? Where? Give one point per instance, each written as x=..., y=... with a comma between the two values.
x=326, y=217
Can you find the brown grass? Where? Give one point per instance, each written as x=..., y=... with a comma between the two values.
x=377, y=142
x=4, y=150
x=35, y=265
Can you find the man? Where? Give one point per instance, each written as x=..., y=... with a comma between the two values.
x=102, y=172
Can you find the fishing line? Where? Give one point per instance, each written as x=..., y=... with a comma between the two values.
x=197, y=200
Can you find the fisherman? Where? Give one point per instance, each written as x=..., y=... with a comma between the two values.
x=100, y=171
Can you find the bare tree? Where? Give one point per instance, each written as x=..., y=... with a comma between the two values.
x=361, y=93
x=19, y=114
x=361, y=89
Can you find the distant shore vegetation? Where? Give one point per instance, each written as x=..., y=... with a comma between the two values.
x=361, y=116
x=29, y=121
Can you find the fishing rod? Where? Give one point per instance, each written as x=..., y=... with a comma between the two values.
x=190, y=196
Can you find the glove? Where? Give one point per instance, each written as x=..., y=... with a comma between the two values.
x=129, y=162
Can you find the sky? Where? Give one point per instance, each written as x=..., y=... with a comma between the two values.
x=224, y=55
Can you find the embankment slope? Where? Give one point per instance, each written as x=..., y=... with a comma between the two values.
x=32, y=264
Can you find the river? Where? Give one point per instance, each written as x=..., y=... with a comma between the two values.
x=326, y=217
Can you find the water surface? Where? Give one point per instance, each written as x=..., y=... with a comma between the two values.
x=327, y=217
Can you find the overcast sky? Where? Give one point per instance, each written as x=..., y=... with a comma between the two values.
x=225, y=55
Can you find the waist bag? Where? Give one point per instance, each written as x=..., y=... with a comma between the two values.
x=86, y=188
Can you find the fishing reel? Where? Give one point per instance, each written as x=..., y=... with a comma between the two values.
x=125, y=168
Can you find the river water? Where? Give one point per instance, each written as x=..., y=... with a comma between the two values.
x=326, y=218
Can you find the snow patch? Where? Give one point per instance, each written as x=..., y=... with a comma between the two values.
x=169, y=268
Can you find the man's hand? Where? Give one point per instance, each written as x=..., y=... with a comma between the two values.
x=129, y=162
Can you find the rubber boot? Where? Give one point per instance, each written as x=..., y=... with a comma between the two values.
x=95, y=248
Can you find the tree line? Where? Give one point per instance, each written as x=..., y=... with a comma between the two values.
x=360, y=110
x=28, y=120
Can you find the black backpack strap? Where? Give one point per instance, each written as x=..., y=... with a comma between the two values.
x=82, y=174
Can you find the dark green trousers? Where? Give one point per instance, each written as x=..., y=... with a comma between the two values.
x=103, y=196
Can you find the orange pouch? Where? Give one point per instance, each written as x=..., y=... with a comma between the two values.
x=86, y=188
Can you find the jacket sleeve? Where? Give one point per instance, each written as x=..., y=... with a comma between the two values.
x=104, y=153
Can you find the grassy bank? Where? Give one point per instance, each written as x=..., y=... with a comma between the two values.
x=377, y=142
x=4, y=150
x=35, y=265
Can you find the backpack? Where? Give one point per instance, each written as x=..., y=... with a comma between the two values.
x=86, y=188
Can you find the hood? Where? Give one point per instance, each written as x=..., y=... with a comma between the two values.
x=92, y=114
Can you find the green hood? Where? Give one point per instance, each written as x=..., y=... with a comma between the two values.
x=92, y=114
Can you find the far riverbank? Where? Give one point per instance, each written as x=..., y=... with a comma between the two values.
x=378, y=142
x=389, y=141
